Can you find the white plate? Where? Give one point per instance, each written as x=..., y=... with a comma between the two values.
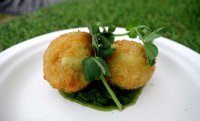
x=172, y=94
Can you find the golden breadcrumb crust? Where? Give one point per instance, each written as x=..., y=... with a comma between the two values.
x=128, y=65
x=63, y=61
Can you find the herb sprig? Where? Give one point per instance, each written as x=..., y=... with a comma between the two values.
x=95, y=68
x=147, y=36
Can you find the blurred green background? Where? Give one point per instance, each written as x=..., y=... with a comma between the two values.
x=180, y=17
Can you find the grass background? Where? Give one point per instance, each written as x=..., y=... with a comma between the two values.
x=180, y=17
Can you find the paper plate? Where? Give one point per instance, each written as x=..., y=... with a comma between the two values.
x=172, y=94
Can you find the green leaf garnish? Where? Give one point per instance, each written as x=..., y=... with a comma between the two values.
x=102, y=64
x=105, y=43
x=147, y=36
x=109, y=36
x=95, y=68
x=91, y=70
x=108, y=52
x=132, y=34
x=151, y=52
x=111, y=28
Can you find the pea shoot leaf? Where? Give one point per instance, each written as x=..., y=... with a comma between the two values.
x=105, y=43
x=95, y=68
x=102, y=64
x=132, y=34
x=137, y=28
x=108, y=52
x=109, y=36
x=91, y=70
x=111, y=28
x=151, y=52
x=101, y=40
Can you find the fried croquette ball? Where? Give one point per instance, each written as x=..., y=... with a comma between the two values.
x=63, y=61
x=128, y=65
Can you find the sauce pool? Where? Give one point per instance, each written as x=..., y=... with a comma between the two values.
x=96, y=96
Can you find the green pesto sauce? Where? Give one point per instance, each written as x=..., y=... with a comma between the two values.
x=96, y=96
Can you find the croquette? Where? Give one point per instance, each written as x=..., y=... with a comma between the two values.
x=63, y=61
x=128, y=65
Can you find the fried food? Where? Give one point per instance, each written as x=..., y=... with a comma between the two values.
x=63, y=61
x=128, y=65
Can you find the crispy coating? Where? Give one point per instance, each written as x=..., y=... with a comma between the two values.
x=63, y=61
x=128, y=65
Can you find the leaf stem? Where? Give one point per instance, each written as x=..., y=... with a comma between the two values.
x=123, y=34
x=99, y=64
x=110, y=91
x=140, y=36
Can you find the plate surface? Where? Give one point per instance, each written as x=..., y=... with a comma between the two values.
x=172, y=94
